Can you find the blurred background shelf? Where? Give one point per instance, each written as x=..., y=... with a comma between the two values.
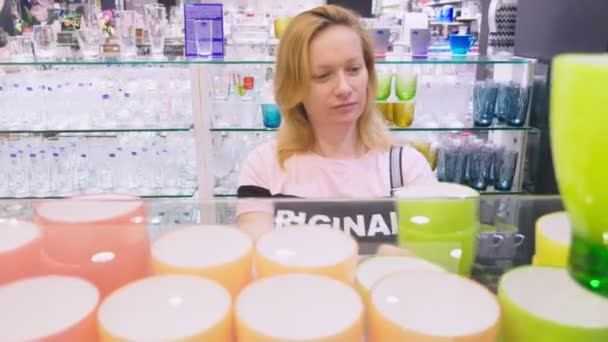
x=395, y=129
x=442, y=3
x=96, y=130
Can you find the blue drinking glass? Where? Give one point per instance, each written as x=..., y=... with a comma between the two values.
x=496, y=152
x=460, y=44
x=461, y=174
x=441, y=166
x=447, y=164
x=504, y=170
x=507, y=98
x=271, y=115
x=484, y=102
x=480, y=162
x=520, y=109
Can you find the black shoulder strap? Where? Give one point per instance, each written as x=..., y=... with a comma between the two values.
x=396, y=173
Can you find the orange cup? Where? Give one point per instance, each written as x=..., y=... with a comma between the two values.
x=431, y=306
x=181, y=308
x=299, y=307
x=50, y=309
x=220, y=253
x=19, y=250
x=101, y=238
x=307, y=249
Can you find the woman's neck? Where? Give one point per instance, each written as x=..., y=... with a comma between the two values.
x=338, y=144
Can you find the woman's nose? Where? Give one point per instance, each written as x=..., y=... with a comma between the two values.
x=343, y=86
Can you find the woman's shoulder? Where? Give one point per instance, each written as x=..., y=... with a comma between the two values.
x=264, y=152
x=406, y=151
x=415, y=166
x=410, y=151
x=265, y=147
x=263, y=156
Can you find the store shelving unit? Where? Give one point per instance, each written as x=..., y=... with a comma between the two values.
x=204, y=130
x=107, y=75
x=502, y=70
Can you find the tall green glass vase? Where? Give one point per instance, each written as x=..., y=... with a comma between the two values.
x=579, y=139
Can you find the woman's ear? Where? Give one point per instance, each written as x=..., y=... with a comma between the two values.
x=303, y=111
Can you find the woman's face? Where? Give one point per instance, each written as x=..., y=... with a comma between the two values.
x=338, y=90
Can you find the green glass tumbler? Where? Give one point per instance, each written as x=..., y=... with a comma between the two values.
x=405, y=85
x=385, y=83
x=440, y=222
x=579, y=119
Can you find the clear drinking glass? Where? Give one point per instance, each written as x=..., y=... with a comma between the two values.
x=125, y=29
x=89, y=40
x=250, y=35
x=220, y=77
x=224, y=150
x=20, y=47
x=44, y=41
x=18, y=180
x=4, y=170
x=155, y=18
x=250, y=44
x=203, y=36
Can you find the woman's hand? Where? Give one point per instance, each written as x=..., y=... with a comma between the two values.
x=255, y=224
x=392, y=250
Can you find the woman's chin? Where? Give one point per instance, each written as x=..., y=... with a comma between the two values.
x=346, y=118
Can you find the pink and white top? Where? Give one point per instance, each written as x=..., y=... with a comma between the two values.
x=312, y=176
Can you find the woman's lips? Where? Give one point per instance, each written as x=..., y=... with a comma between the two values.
x=345, y=106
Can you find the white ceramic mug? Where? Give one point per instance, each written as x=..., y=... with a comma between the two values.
x=382, y=38
x=420, y=40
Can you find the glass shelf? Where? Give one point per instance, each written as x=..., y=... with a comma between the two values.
x=185, y=194
x=502, y=193
x=96, y=130
x=397, y=129
x=483, y=193
x=188, y=194
x=441, y=3
x=144, y=60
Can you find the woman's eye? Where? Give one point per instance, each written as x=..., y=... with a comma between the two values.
x=322, y=76
x=355, y=69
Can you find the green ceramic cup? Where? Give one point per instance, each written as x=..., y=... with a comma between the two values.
x=440, y=223
x=579, y=118
x=544, y=304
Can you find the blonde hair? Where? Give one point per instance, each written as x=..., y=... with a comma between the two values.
x=293, y=78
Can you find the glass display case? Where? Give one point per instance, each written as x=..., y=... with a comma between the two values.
x=165, y=128
x=466, y=115
x=116, y=241
x=492, y=215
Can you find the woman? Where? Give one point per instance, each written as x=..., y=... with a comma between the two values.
x=332, y=142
